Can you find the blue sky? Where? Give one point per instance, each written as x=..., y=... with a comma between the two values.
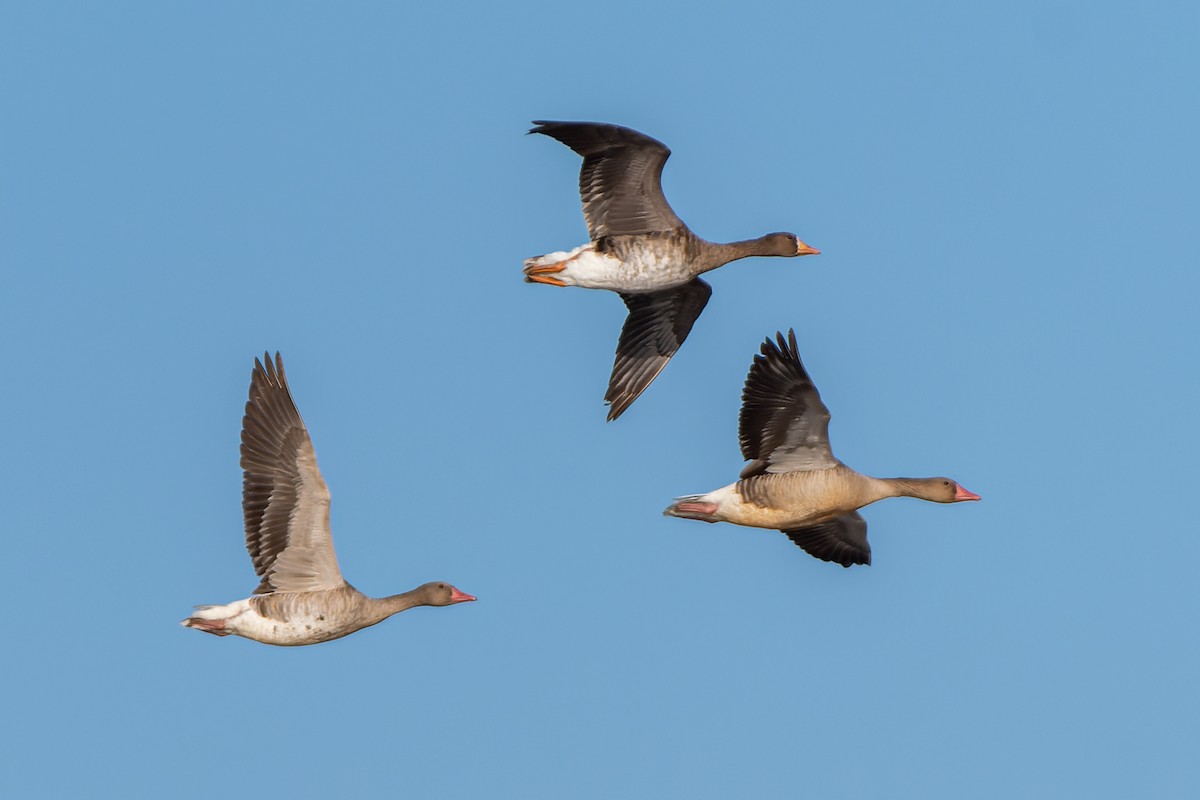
x=1004, y=194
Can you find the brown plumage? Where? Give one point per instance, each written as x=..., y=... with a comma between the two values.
x=640, y=249
x=793, y=482
x=301, y=597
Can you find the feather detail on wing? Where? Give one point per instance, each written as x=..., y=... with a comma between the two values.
x=783, y=426
x=285, y=501
x=620, y=182
x=657, y=324
x=842, y=540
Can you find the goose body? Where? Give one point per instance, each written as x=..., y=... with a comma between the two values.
x=640, y=249
x=633, y=264
x=793, y=499
x=298, y=618
x=302, y=598
x=793, y=482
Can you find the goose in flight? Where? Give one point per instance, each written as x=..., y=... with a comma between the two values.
x=302, y=597
x=793, y=482
x=640, y=250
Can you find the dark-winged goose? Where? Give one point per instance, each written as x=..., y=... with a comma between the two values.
x=640, y=250
x=793, y=482
x=302, y=598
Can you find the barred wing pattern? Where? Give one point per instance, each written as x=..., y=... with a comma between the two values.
x=285, y=501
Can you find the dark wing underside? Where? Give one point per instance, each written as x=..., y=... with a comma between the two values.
x=285, y=501
x=620, y=181
x=842, y=540
x=657, y=324
x=783, y=425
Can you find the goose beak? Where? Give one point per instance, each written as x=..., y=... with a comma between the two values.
x=804, y=250
x=462, y=597
x=962, y=494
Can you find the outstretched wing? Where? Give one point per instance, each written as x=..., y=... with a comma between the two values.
x=657, y=324
x=621, y=178
x=783, y=426
x=284, y=498
x=842, y=540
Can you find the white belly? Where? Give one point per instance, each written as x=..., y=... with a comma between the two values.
x=732, y=507
x=643, y=270
x=300, y=628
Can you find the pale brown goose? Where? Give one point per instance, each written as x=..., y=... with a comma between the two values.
x=793, y=483
x=302, y=598
x=639, y=249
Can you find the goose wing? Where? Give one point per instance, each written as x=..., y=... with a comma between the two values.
x=783, y=425
x=842, y=540
x=284, y=498
x=657, y=324
x=621, y=178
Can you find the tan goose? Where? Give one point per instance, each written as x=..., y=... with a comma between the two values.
x=639, y=249
x=793, y=483
x=302, y=598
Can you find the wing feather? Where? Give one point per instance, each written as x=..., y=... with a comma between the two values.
x=842, y=540
x=285, y=501
x=783, y=425
x=620, y=181
x=657, y=324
